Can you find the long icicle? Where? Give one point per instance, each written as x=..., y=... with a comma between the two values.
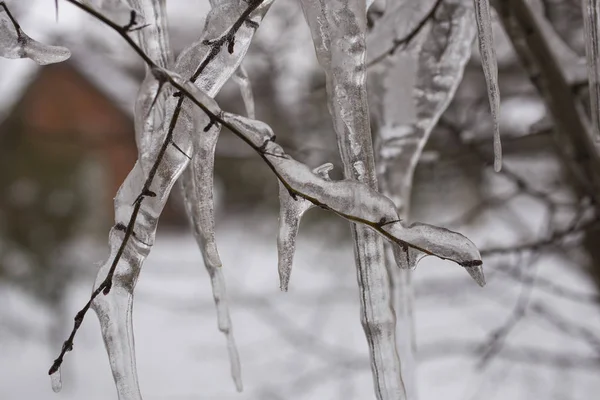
x=591, y=15
x=338, y=29
x=487, y=49
x=197, y=186
x=423, y=79
x=197, y=189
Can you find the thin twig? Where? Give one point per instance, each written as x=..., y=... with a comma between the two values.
x=13, y=20
x=405, y=41
x=523, y=354
x=552, y=287
x=549, y=241
x=106, y=285
x=499, y=336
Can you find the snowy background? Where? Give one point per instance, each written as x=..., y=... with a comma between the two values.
x=537, y=319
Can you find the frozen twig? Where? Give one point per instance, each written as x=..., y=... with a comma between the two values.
x=14, y=43
x=121, y=234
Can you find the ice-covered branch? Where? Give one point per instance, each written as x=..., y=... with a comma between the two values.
x=142, y=196
x=140, y=205
x=14, y=43
x=400, y=24
x=348, y=198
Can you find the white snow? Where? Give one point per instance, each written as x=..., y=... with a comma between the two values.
x=304, y=344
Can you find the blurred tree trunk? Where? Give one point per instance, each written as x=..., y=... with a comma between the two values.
x=572, y=132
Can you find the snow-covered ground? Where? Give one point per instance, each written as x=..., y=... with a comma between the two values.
x=304, y=344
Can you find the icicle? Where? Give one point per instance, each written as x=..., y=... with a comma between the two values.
x=197, y=183
x=483, y=16
x=411, y=88
x=198, y=187
x=591, y=15
x=14, y=43
x=200, y=211
x=338, y=29
x=241, y=78
x=56, y=381
x=145, y=191
x=291, y=210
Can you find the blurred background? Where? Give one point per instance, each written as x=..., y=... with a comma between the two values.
x=67, y=143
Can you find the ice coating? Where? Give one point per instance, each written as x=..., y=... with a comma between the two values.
x=291, y=210
x=437, y=60
x=338, y=29
x=591, y=14
x=148, y=199
x=141, y=199
x=352, y=200
x=483, y=16
x=400, y=19
x=154, y=40
x=407, y=258
x=243, y=81
x=56, y=381
x=200, y=210
x=197, y=186
x=14, y=43
x=220, y=20
x=120, y=11
x=410, y=90
x=115, y=309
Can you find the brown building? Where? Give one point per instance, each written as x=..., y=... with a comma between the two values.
x=63, y=124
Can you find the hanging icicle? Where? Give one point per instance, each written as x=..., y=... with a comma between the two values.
x=291, y=210
x=487, y=49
